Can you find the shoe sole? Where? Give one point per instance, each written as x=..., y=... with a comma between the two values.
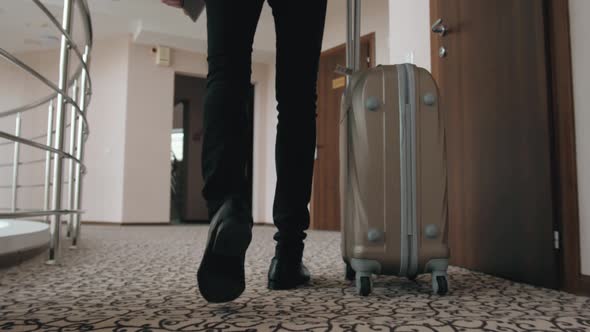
x=221, y=275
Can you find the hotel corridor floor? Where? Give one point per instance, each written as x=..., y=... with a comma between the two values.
x=143, y=279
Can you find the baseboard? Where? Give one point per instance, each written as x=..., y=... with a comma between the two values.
x=165, y=223
x=193, y=221
x=101, y=223
x=584, y=285
x=261, y=223
x=186, y=223
x=111, y=223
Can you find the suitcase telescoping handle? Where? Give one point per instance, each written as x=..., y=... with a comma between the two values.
x=353, y=35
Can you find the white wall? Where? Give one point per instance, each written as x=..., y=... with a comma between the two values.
x=102, y=198
x=580, y=28
x=410, y=32
x=148, y=124
x=33, y=124
x=11, y=95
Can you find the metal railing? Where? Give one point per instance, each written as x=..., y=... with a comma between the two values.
x=73, y=92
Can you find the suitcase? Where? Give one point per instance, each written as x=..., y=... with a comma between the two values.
x=393, y=176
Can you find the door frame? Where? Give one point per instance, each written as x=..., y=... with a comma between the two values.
x=186, y=143
x=371, y=40
x=563, y=140
x=182, y=179
x=564, y=145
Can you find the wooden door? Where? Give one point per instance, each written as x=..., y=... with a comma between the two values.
x=494, y=88
x=325, y=204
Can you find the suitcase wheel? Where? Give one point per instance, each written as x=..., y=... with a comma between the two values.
x=350, y=274
x=440, y=285
x=364, y=285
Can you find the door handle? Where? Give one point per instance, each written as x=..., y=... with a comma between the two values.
x=439, y=27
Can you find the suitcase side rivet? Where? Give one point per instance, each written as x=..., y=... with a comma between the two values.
x=374, y=235
x=429, y=99
x=431, y=231
x=372, y=104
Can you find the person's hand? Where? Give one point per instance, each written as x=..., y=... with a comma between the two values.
x=173, y=3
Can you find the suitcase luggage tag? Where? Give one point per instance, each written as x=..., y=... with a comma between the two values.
x=342, y=70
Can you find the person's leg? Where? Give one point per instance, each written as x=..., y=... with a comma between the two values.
x=300, y=27
x=230, y=32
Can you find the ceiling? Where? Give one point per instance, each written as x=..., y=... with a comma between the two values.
x=24, y=28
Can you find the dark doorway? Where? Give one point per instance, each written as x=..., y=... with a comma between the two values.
x=178, y=169
x=189, y=92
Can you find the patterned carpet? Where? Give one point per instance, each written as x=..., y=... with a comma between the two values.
x=143, y=279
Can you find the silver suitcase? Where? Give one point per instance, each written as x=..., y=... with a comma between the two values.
x=393, y=176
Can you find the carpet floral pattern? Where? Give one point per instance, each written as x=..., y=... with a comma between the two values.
x=143, y=279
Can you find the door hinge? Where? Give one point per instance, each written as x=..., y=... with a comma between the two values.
x=556, y=243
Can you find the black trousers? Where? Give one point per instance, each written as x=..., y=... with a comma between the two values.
x=231, y=25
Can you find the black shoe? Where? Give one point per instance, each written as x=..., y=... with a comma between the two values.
x=221, y=275
x=286, y=268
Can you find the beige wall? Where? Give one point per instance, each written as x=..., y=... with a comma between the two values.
x=580, y=29
x=410, y=32
x=105, y=150
x=103, y=182
x=10, y=96
x=148, y=123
